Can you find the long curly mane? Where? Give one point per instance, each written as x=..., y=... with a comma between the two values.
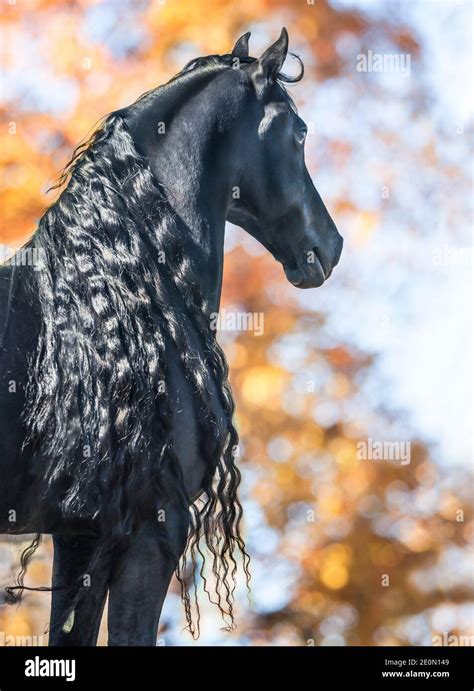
x=98, y=411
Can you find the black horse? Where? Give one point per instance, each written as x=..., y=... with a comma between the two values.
x=117, y=433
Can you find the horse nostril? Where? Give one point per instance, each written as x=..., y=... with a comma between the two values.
x=325, y=265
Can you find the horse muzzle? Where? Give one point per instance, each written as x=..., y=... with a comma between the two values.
x=315, y=267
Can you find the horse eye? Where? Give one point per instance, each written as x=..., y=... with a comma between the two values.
x=300, y=135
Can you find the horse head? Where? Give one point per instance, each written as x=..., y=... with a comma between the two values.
x=278, y=203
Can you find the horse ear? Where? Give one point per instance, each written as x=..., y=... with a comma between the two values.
x=265, y=70
x=241, y=48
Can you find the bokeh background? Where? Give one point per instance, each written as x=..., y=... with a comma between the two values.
x=345, y=551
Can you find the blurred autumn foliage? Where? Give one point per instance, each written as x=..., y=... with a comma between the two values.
x=345, y=551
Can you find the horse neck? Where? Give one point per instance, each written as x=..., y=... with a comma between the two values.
x=204, y=223
x=193, y=167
